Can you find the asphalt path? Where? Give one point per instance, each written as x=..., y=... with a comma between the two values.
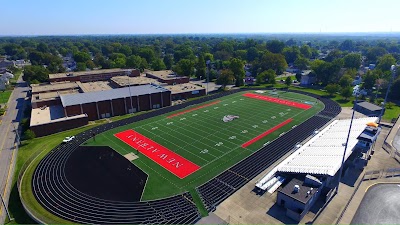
x=380, y=205
x=8, y=150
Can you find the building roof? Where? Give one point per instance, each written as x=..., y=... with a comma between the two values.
x=38, y=88
x=322, y=154
x=300, y=195
x=94, y=86
x=52, y=95
x=182, y=88
x=165, y=74
x=82, y=98
x=369, y=106
x=91, y=72
x=124, y=81
x=50, y=114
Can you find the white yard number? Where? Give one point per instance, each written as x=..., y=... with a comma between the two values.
x=233, y=101
x=154, y=128
x=204, y=151
x=265, y=121
x=273, y=117
x=288, y=109
x=219, y=144
x=255, y=126
x=169, y=123
x=194, y=115
x=183, y=118
x=281, y=113
x=216, y=107
x=225, y=104
x=232, y=137
x=206, y=111
x=241, y=99
x=244, y=131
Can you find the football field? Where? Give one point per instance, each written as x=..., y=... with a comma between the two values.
x=183, y=149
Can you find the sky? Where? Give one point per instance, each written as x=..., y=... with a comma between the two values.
x=73, y=17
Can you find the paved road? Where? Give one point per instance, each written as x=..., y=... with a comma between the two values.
x=380, y=205
x=8, y=153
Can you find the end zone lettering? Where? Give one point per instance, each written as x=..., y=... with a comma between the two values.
x=171, y=161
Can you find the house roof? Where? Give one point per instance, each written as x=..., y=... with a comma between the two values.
x=369, y=106
x=322, y=154
x=98, y=96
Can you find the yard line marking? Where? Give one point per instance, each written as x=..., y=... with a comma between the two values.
x=252, y=141
x=193, y=109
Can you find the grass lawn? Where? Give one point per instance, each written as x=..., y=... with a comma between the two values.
x=4, y=96
x=201, y=137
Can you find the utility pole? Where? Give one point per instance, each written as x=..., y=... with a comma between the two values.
x=393, y=69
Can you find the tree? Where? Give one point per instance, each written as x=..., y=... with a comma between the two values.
x=369, y=80
x=168, y=61
x=395, y=89
x=374, y=53
x=273, y=61
x=275, y=46
x=288, y=81
x=252, y=54
x=81, y=57
x=291, y=53
x=185, y=67
x=352, y=60
x=133, y=61
x=200, y=67
x=237, y=67
x=38, y=73
x=332, y=89
x=306, y=51
x=301, y=63
x=345, y=81
x=90, y=64
x=143, y=64
x=208, y=56
x=226, y=77
x=147, y=53
x=385, y=62
x=346, y=92
x=347, y=45
x=80, y=66
x=158, y=64
x=298, y=76
x=326, y=72
x=267, y=76
x=29, y=135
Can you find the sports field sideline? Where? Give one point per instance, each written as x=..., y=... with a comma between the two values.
x=199, y=135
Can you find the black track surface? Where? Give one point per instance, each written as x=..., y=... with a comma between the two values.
x=53, y=190
x=103, y=173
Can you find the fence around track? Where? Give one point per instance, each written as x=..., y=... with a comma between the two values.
x=226, y=183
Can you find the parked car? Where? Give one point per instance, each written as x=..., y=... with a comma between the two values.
x=68, y=139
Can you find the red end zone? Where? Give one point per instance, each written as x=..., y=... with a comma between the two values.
x=192, y=109
x=266, y=133
x=171, y=161
x=278, y=101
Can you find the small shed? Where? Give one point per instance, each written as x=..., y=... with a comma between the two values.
x=368, y=109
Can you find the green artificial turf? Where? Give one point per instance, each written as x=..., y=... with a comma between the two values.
x=203, y=138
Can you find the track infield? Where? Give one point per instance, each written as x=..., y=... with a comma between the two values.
x=197, y=136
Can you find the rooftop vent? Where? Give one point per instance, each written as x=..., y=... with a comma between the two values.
x=296, y=188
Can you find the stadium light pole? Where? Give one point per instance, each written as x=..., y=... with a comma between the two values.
x=130, y=94
x=393, y=70
x=345, y=147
